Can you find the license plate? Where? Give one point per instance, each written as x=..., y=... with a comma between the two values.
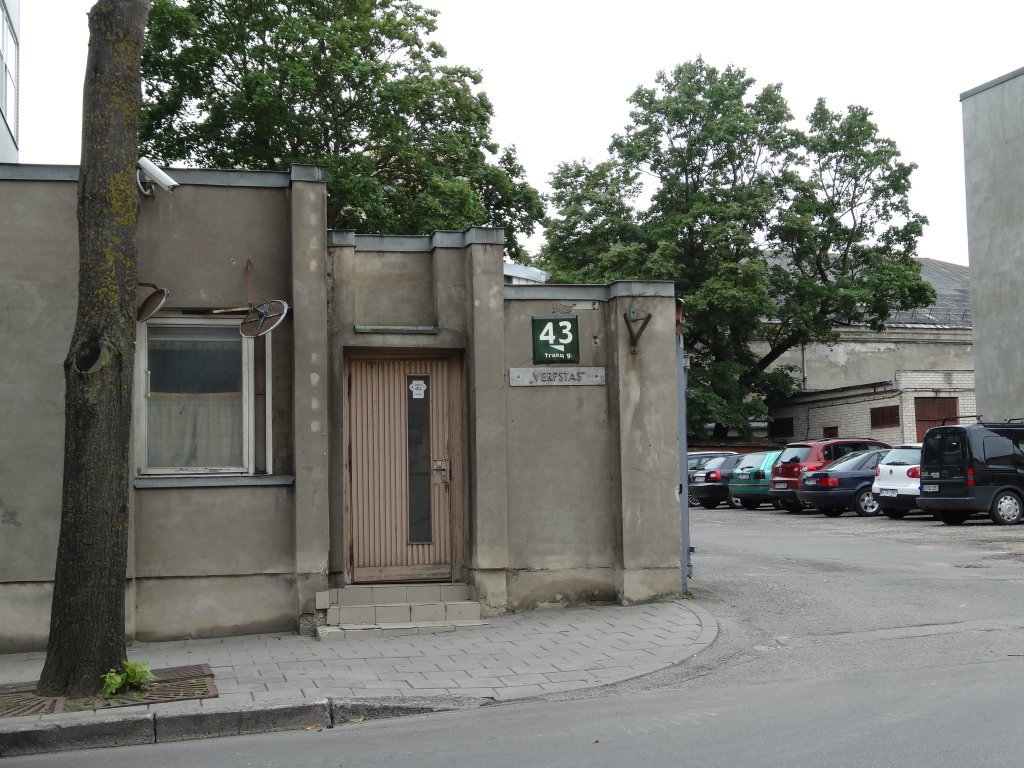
x=743, y=475
x=808, y=481
x=930, y=488
x=888, y=492
x=781, y=485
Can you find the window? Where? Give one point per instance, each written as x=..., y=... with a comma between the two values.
x=781, y=427
x=1002, y=451
x=8, y=73
x=195, y=411
x=830, y=432
x=885, y=416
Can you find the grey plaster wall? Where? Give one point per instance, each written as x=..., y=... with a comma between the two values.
x=592, y=512
x=559, y=453
x=173, y=608
x=39, y=260
x=196, y=242
x=864, y=356
x=993, y=125
x=232, y=531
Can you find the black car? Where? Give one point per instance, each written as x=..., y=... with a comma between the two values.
x=697, y=459
x=973, y=468
x=844, y=484
x=710, y=484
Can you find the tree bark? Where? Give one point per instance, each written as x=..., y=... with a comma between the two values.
x=87, y=616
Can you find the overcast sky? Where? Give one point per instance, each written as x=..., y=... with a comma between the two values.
x=559, y=72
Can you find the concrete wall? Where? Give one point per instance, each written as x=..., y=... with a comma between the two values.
x=864, y=356
x=187, y=534
x=993, y=124
x=591, y=510
x=38, y=287
x=569, y=491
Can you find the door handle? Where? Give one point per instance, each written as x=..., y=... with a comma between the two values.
x=441, y=467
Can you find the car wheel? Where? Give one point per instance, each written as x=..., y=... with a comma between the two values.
x=793, y=506
x=1006, y=508
x=832, y=511
x=952, y=518
x=710, y=504
x=735, y=503
x=694, y=501
x=895, y=514
x=750, y=503
x=864, y=504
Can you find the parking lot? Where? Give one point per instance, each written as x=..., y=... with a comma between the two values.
x=917, y=527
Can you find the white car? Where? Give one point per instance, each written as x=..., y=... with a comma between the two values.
x=898, y=480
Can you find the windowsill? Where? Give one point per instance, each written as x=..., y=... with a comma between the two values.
x=210, y=481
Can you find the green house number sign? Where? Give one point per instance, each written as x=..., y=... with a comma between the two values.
x=556, y=339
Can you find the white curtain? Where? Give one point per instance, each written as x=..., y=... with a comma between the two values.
x=195, y=429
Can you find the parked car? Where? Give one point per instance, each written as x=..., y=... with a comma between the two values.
x=809, y=456
x=710, y=485
x=973, y=468
x=898, y=481
x=697, y=459
x=751, y=477
x=844, y=484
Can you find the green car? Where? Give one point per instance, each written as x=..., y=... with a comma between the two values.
x=752, y=477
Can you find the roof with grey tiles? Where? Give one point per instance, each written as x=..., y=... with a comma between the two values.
x=952, y=307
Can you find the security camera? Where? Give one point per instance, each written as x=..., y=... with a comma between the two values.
x=148, y=172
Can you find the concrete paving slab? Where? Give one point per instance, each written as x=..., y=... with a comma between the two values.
x=282, y=681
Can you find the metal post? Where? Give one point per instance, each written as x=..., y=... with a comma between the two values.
x=682, y=368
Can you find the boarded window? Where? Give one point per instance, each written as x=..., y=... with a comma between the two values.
x=830, y=431
x=886, y=416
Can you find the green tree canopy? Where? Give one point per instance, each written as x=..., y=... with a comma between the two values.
x=353, y=85
x=773, y=235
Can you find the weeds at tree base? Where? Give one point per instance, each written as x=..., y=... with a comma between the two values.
x=135, y=676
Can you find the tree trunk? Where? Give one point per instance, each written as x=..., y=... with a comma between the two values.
x=87, y=616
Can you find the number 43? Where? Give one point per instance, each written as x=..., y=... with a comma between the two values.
x=548, y=334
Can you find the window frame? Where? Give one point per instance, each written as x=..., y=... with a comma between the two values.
x=885, y=416
x=248, y=465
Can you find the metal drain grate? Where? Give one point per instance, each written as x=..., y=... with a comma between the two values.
x=171, y=684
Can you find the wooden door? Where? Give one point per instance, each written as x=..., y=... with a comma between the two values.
x=931, y=411
x=403, y=476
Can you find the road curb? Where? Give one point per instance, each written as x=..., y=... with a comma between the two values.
x=77, y=730
x=187, y=722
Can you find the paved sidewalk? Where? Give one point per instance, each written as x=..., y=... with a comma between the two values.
x=277, y=681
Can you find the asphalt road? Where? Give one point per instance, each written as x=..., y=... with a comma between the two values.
x=843, y=642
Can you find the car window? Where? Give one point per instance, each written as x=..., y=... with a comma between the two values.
x=902, y=457
x=1002, y=451
x=847, y=462
x=751, y=461
x=943, y=448
x=733, y=461
x=715, y=463
x=873, y=459
x=794, y=454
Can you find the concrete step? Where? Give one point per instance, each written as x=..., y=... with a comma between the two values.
x=393, y=594
x=400, y=613
x=392, y=629
x=397, y=609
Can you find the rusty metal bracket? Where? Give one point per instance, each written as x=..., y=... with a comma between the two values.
x=632, y=318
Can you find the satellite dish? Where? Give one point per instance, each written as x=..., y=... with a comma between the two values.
x=153, y=303
x=264, y=318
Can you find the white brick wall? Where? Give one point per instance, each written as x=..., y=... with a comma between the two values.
x=851, y=411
